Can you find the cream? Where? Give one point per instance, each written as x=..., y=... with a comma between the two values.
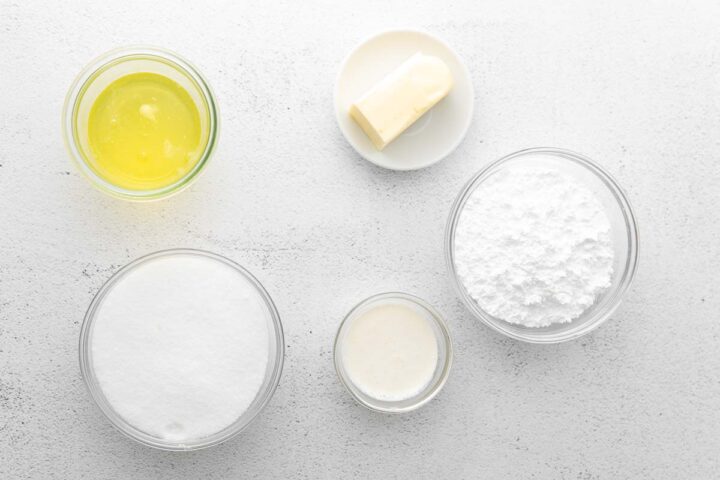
x=390, y=351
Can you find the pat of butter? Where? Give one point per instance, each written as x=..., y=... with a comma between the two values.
x=402, y=97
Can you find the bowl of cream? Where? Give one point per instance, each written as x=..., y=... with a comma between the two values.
x=393, y=352
x=542, y=245
x=181, y=349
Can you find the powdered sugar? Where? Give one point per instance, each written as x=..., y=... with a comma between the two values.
x=533, y=247
x=180, y=346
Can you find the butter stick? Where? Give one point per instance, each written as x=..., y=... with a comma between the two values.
x=402, y=97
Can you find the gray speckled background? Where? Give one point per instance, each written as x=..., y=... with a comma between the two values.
x=634, y=85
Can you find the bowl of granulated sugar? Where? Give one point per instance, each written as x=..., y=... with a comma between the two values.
x=181, y=349
x=542, y=245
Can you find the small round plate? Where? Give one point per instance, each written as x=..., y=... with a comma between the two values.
x=434, y=135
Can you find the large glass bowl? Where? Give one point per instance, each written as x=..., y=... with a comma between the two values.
x=272, y=371
x=624, y=237
x=107, y=68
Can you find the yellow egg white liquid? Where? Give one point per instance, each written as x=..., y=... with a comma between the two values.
x=144, y=132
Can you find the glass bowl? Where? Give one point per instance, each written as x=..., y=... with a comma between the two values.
x=115, y=64
x=624, y=238
x=270, y=382
x=442, y=369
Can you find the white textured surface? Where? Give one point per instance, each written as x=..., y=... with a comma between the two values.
x=634, y=85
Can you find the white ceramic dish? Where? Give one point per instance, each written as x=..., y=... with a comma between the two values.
x=437, y=133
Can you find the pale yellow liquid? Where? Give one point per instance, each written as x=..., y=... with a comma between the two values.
x=144, y=132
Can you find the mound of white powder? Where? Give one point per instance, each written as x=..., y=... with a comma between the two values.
x=533, y=247
x=180, y=346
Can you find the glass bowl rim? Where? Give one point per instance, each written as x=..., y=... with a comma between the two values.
x=88, y=74
x=130, y=431
x=631, y=230
x=433, y=389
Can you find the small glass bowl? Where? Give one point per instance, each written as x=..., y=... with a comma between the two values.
x=272, y=372
x=107, y=68
x=442, y=369
x=624, y=238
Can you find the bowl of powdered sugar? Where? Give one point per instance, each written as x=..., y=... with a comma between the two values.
x=542, y=245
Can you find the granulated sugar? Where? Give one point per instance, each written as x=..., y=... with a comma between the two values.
x=533, y=247
x=180, y=346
